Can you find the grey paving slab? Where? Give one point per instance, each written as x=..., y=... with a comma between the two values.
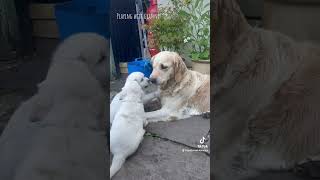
x=157, y=159
x=187, y=131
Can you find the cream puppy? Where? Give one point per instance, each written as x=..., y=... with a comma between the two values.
x=63, y=125
x=65, y=80
x=144, y=84
x=127, y=129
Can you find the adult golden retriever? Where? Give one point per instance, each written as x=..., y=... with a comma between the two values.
x=182, y=92
x=266, y=98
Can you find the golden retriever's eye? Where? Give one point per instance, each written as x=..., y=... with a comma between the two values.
x=163, y=67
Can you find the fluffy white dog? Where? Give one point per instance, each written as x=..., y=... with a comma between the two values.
x=144, y=84
x=77, y=71
x=63, y=124
x=127, y=129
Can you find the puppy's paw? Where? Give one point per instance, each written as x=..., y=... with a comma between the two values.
x=145, y=123
x=157, y=94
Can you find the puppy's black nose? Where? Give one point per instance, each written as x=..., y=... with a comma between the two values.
x=153, y=80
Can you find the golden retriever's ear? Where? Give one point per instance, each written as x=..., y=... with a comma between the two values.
x=179, y=67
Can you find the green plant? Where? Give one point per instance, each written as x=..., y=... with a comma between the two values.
x=184, y=26
x=168, y=27
x=198, y=31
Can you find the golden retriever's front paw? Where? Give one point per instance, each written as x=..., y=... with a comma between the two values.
x=173, y=118
x=206, y=115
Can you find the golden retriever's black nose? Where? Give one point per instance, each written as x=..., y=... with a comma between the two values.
x=153, y=80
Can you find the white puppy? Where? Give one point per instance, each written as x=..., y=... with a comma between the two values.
x=63, y=124
x=78, y=62
x=144, y=84
x=127, y=129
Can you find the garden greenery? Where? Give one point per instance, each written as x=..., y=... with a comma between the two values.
x=184, y=27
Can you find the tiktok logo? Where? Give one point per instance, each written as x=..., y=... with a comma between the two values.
x=202, y=140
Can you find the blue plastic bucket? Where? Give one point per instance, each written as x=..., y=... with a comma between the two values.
x=71, y=20
x=140, y=65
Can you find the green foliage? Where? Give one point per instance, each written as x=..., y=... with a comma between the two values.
x=168, y=28
x=184, y=27
x=198, y=31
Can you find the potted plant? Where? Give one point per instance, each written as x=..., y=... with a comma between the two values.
x=184, y=26
x=198, y=34
x=168, y=27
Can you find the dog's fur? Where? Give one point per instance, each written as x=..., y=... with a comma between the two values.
x=77, y=71
x=90, y=48
x=69, y=108
x=182, y=92
x=266, y=98
x=127, y=129
x=144, y=83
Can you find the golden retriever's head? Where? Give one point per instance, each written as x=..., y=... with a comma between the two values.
x=167, y=67
x=228, y=23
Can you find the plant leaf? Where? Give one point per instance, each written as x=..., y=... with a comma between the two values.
x=197, y=3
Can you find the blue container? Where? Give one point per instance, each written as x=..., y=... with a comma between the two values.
x=71, y=20
x=140, y=65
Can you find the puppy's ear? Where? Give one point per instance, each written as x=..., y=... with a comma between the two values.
x=82, y=58
x=179, y=67
x=136, y=87
x=102, y=58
